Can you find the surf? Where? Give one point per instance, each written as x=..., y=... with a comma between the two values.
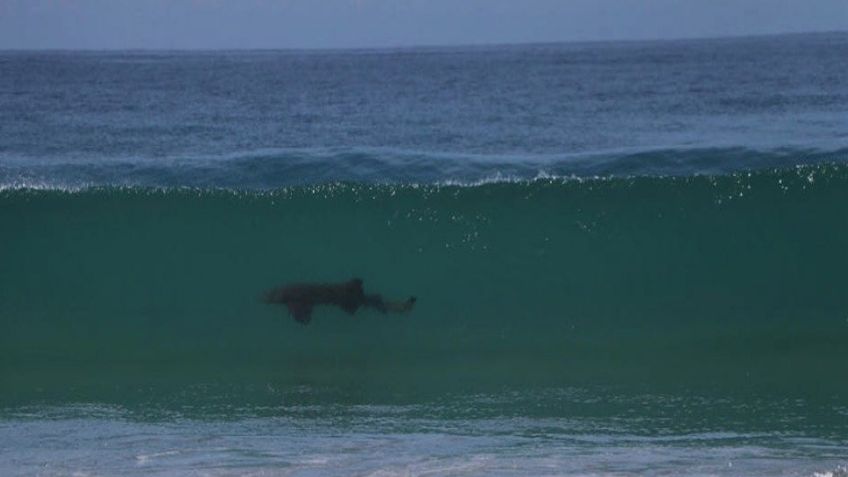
x=729, y=280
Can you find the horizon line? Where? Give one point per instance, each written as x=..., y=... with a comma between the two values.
x=433, y=46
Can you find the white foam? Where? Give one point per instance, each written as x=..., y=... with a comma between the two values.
x=839, y=471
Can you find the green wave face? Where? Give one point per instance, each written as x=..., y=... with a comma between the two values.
x=725, y=283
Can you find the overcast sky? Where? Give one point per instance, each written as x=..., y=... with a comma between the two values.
x=188, y=24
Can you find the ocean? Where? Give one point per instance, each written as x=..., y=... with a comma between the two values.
x=629, y=258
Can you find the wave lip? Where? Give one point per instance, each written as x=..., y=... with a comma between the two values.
x=271, y=169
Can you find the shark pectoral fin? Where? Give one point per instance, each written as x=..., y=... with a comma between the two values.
x=301, y=312
x=350, y=307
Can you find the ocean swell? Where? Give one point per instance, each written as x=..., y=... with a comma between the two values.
x=725, y=282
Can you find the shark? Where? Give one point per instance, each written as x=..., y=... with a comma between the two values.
x=301, y=298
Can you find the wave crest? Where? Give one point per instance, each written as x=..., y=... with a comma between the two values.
x=273, y=169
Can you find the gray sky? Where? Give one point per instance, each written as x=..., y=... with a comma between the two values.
x=187, y=24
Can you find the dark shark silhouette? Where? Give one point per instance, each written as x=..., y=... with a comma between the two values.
x=300, y=298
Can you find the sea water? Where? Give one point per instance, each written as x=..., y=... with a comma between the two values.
x=628, y=257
